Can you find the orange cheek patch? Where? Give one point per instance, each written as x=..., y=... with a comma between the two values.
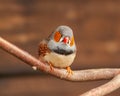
x=57, y=36
x=72, y=41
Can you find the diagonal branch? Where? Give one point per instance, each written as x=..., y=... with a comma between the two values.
x=82, y=75
x=105, y=89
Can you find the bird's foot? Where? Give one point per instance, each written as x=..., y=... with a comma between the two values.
x=70, y=72
x=51, y=66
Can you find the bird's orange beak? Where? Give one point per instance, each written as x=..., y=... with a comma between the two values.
x=66, y=40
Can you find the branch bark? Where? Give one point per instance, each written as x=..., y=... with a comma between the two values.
x=105, y=89
x=79, y=75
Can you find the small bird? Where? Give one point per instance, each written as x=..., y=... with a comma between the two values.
x=59, y=49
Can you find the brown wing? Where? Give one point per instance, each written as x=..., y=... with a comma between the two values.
x=43, y=49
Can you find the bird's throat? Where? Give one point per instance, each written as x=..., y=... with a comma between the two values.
x=63, y=52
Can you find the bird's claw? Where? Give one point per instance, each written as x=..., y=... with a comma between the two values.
x=51, y=66
x=70, y=72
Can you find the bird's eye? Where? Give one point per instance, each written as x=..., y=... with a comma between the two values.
x=72, y=41
x=57, y=36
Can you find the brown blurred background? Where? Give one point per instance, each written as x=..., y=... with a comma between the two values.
x=96, y=25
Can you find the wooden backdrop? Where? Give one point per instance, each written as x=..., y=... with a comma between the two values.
x=96, y=25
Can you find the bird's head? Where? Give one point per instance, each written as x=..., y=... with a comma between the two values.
x=62, y=39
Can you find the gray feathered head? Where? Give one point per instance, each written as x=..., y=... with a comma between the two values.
x=62, y=40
